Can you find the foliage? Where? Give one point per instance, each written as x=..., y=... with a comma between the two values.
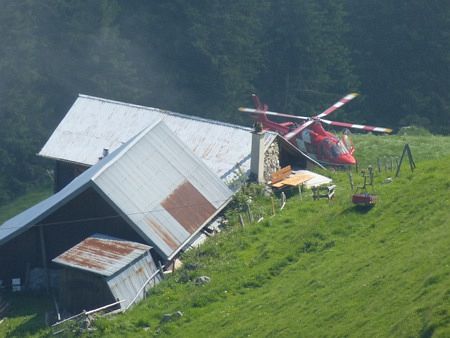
x=414, y=131
x=207, y=57
x=23, y=202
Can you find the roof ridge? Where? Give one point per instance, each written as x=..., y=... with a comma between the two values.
x=166, y=112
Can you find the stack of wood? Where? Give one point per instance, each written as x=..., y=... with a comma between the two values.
x=285, y=177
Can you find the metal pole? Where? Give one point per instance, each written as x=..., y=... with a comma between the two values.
x=44, y=258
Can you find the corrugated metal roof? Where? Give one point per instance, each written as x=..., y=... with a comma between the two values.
x=101, y=254
x=165, y=166
x=93, y=124
x=31, y=216
x=128, y=283
x=138, y=180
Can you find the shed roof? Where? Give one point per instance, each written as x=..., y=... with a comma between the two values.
x=155, y=183
x=101, y=254
x=93, y=123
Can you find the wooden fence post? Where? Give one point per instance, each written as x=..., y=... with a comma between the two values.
x=370, y=169
x=283, y=200
x=161, y=269
x=241, y=220
x=273, y=205
x=250, y=214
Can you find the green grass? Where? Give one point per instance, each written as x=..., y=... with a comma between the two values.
x=369, y=147
x=26, y=317
x=18, y=205
x=320, y=268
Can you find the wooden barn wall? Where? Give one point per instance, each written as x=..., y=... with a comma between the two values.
x=80, y=290
x=82, y=217
x=21, y=253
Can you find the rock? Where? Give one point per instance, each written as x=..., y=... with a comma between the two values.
x=171, y=316
x=202, y=280
x=178, y=264
x=267, y=191
x=192, y=266
x=166, y=318
x=271, y=160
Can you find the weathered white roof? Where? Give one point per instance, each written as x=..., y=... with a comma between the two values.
x=92, y=124
x=125, y=265
x=101, y=254
x=155, y=183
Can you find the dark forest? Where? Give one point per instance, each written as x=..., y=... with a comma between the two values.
x=205, y=58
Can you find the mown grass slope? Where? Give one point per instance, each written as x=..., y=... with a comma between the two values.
x=11, y=209
x=321, y=269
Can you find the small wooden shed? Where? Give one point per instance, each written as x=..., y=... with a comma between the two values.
x=102, y=270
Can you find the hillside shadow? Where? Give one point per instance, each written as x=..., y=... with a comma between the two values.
x=360, y=209
x=30, y=310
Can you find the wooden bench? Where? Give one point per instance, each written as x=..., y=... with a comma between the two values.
x=323, y=192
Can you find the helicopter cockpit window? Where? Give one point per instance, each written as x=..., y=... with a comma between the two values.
x=333, y=150
x=342, y=147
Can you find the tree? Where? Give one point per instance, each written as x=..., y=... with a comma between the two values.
x=307, y=58
x=400, y=52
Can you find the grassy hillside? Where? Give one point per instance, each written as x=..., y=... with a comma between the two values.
x=321, y=269
x=11, y=209
x=318, y=268
x=369, y=148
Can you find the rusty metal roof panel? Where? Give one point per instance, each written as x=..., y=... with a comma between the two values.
x=154, y=182
x=180, y=193
x=93, y=124
x=102, y=254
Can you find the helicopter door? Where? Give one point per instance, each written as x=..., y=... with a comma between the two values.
x=329, y=150
x=324, y=149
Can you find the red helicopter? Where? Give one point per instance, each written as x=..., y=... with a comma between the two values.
x=310, y=136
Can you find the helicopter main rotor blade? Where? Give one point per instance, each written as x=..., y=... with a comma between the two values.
x=292, y=134
x=338, y=104
x=272, y=113
x=356, y=126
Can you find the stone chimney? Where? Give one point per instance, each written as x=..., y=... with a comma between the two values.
x=257, y=157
